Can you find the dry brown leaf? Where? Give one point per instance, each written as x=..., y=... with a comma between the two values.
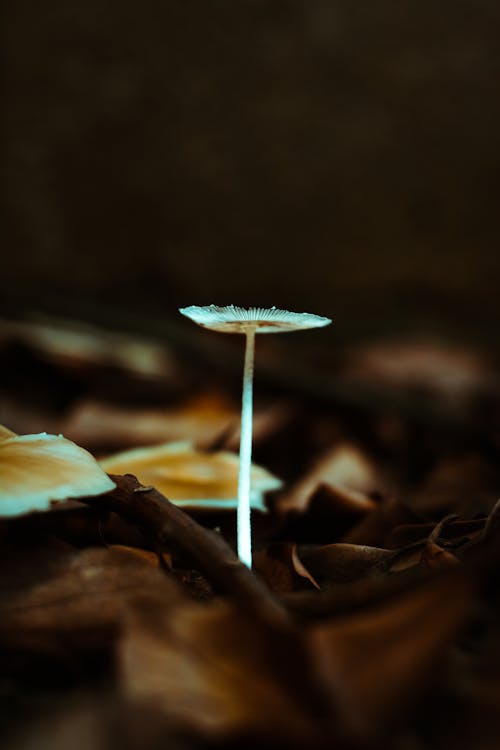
x=334, y=564
x=435, y=556
x=455, y=531
x=446, y=371
x=281, y=568
x=78, y=346
x=375, y=662
x=375, y=527
x=328, y=515
x=342, y=563
x=346, y=469
x=201, y=420
x=215, y=673
x=55, y=594
x=78, y=723
x=466, y=485
x=301, y=569
x=206, y=419
x=151, y=558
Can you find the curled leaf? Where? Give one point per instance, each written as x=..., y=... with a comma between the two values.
x=38, y=469
x=375, y=663
x=347, y=469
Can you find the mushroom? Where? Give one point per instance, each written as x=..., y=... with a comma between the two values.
x=249, y=321
x=38, y=469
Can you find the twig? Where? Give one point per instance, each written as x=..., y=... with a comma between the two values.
x=208, y=551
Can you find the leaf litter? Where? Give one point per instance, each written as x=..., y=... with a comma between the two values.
x=370, y=618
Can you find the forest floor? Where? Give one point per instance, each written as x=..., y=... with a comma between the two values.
x=370, y=618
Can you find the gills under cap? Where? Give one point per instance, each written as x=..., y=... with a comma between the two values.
x=232, y=319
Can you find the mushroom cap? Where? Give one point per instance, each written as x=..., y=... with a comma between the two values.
x=38, y=469
x=232, y=319
x=191, y=478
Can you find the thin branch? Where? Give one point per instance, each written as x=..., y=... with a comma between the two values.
x=209, y=552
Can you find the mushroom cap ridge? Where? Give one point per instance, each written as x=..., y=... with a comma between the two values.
x=232, y=319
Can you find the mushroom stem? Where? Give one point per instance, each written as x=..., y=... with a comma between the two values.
x=243, y=513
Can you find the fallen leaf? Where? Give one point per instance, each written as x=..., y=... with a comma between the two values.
x=346, y=469
x=57, y=597
x=465, y=485
x=213, y=672
x=329, y=514
x=449, y=372
x=151, y=558
x=206, y=420
x=281, y=568
x=376, y=526
x=435, y=556
x=191, y=478
x=200, y=420
x=376, y=662
x=36, y=470
x=459, y=530
x=339, y=563
x=76, y=346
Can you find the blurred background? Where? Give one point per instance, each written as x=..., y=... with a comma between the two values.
x=332, y=156
x=336, y=157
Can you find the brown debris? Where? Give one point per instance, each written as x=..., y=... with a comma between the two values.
x=345, y=469
x=215, y=672
x=375, y=663
x=370, y=619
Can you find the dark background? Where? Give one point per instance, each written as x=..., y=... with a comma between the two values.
x=338, y=157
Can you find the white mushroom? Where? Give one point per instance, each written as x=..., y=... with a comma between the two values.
x=38, y=469
x=249, y=321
